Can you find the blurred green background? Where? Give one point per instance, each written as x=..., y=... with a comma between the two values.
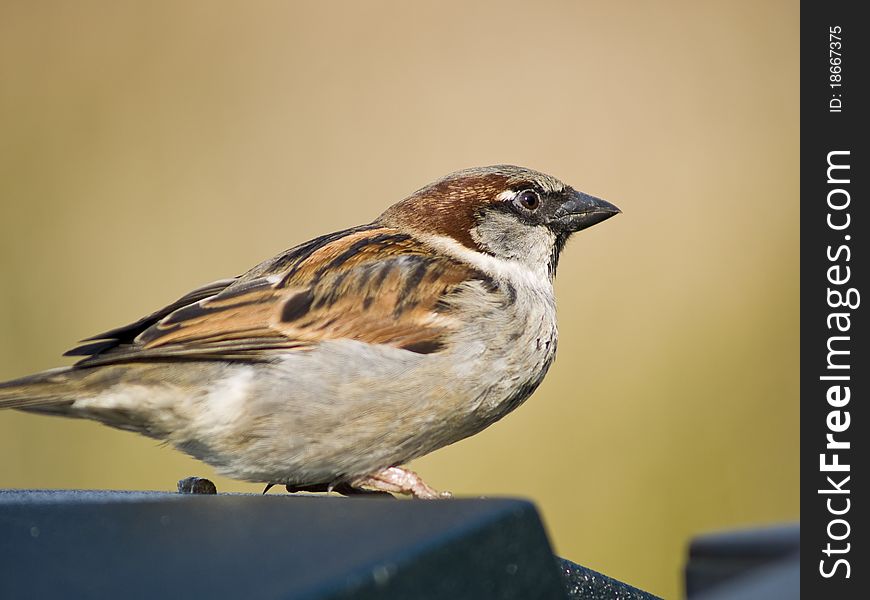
x=149, y=147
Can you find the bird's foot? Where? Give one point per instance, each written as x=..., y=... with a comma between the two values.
x=397, y=480
x=345, y=489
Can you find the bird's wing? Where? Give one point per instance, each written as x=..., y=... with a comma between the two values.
x=371, y=284
x=127, y=333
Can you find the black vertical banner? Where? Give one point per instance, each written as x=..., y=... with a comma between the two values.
x=835, y=365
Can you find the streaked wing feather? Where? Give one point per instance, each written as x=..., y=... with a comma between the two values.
x=127, y=333
x=373, y=284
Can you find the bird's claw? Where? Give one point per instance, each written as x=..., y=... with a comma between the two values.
x=397, y=480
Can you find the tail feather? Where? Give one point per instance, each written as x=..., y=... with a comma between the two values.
x=46, y=391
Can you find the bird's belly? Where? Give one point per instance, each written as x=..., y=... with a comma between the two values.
x=347, y=409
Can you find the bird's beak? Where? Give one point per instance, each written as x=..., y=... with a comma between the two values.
x=581, y=210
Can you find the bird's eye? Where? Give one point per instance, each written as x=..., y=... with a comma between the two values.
x=529, y=199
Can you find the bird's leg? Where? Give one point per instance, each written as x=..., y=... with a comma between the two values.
x=345, y=489
x=400, y=481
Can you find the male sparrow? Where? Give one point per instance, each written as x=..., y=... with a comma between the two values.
x=340, y=359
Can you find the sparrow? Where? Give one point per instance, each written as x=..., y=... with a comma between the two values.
x=339, y=360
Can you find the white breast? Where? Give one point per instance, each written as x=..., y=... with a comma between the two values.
x=508, y=340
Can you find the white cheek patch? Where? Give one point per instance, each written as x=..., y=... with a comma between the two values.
x=501, y=233
x=519, y=273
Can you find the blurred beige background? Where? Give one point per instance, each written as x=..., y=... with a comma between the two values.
x=147, y=148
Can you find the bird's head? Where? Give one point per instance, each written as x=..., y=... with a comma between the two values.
x=508, y=212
